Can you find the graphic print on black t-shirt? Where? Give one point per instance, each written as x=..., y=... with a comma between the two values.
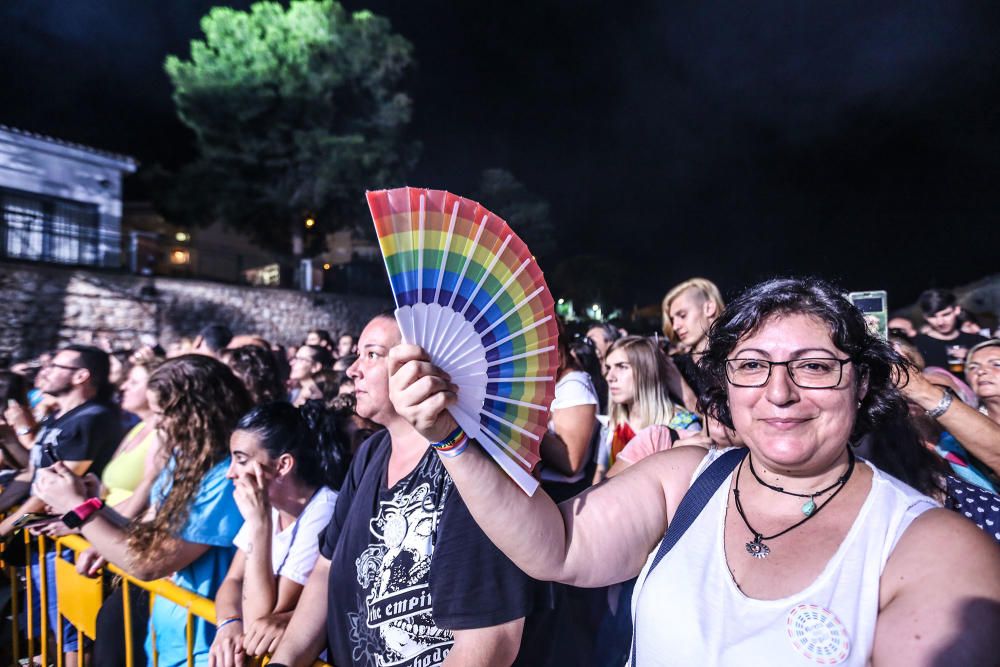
x=396, y=552
x=89, y=432
x=393, y=573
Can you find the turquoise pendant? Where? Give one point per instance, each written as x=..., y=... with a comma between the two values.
x=809, y=507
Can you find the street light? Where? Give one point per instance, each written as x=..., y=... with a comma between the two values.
x=310, y=223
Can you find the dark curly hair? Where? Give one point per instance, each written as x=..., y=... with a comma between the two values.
x=258, y=370
x=200, y=401
x=876, y=361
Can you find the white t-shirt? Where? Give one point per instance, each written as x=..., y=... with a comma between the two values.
x=294, y=550
x=573, y=389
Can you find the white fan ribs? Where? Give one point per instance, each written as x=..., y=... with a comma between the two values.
x=470, y=249
x=523, y=355
x=486, y=274
x=455, y=267
x=523, y=330
x=503, y=288
x=512, y=426
x=523, y=404
x=517, y=307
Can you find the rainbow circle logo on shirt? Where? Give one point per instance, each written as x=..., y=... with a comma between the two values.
x=818, y=634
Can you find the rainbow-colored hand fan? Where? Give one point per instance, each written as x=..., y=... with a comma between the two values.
x=470, y=293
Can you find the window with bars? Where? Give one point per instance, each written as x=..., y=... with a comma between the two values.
x=47, y=229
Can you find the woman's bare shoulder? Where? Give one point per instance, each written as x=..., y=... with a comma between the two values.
x=939, y=595
x=942, y=546
x=673, y=469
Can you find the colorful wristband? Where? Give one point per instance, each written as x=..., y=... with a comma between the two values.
x=456, y=449
x=453, y=440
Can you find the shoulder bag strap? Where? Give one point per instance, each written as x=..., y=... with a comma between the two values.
x=690, y=507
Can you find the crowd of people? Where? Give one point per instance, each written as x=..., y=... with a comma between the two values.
x=764, y=481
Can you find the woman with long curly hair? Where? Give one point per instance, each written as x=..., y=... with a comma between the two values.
x=188, y=531
x=258, y=370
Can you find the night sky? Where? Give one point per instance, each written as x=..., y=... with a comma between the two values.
x=858, y=141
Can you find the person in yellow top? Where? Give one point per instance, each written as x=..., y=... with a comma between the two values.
x=132, y=469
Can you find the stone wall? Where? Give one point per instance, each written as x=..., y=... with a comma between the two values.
x=42, y=307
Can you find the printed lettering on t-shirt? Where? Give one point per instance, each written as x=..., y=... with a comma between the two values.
x=48, y=436
x=397, y=628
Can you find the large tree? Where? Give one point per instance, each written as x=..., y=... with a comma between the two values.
x=295, y=112
x=526, y=213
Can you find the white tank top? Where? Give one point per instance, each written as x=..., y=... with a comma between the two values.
x=690, y=612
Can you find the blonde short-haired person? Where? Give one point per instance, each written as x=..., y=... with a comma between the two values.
x=795, y=552
x=688, y=311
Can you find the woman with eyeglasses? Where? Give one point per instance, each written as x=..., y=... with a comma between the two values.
x=790, y=551
x=187, y=532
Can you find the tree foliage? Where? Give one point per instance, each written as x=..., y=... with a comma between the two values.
x=295, y=113
x=526, y=213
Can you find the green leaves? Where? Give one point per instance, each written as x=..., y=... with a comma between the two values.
x=294, y=110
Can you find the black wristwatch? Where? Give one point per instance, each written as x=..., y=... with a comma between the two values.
x=78, y=516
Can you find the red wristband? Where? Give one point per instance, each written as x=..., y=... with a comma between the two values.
x=79, y=514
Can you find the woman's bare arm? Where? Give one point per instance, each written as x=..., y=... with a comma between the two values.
x=602, y=536
x=978, y=433
x=566, y=450
x=940, y=596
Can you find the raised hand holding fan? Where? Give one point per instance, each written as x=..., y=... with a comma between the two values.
x=470, y=293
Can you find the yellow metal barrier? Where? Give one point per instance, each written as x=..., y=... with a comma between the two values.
x=80, y=599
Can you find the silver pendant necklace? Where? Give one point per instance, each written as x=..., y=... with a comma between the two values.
x=757, y=546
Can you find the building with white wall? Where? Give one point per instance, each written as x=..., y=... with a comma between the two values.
x=60, y=202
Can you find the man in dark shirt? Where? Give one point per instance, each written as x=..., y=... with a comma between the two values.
x=405, y=576
x=941, y=311
x=83, y=432
x=85, y=429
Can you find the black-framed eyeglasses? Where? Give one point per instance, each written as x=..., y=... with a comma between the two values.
x=65, y=368
x=808, y=373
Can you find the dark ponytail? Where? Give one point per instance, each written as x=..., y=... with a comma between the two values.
x=332, y=447
x=321, y=458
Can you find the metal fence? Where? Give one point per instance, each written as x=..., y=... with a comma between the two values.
x=79, y=599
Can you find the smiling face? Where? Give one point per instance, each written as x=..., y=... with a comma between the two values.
x=982, y=369
x=370, y=372
x=621, y=380
x=790, y=428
